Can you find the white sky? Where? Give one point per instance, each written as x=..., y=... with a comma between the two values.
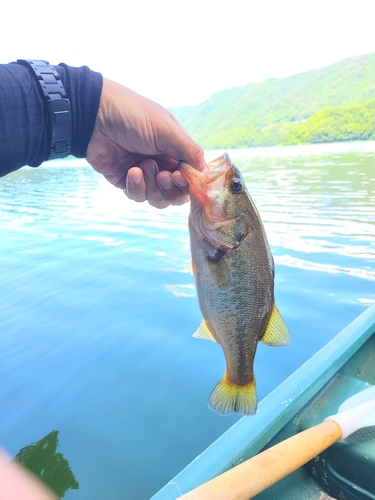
x=180, y=52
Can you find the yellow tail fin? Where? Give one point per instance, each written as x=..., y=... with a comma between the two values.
x=227, y=398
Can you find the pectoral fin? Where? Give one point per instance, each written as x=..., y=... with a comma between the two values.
x=219, y=271
x=276, y=332
x=203, y=332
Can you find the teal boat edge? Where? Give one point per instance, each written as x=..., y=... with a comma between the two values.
x=251, y=434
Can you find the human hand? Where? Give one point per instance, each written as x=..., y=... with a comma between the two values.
x=137, y=145
x=16, y=482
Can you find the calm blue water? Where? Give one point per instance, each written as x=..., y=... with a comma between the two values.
x=98, y=307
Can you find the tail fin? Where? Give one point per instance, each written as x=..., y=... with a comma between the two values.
x=227, y=398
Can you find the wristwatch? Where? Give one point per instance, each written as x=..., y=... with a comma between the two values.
x=57, y=106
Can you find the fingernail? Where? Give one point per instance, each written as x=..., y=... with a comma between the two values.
x=136, y=177
x=150, y=170
x=180, y=180
x=165, y=182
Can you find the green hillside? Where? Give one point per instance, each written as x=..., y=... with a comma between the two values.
x=279, y=111
x=341, y=123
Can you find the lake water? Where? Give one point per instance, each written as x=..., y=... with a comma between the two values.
x=103, y=389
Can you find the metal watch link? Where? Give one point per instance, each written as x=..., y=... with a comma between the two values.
x=57, y=106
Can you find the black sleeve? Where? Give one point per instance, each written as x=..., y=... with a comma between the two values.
x=23, y=127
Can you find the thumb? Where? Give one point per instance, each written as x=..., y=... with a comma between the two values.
x=181, y=147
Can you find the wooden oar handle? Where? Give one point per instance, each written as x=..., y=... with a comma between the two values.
x=258, y=473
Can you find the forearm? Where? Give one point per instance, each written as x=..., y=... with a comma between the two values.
x=23, y=131
x=23, y=127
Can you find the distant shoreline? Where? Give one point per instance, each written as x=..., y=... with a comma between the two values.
x=331, y=104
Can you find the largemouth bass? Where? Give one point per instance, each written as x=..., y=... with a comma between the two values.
x=234, y=274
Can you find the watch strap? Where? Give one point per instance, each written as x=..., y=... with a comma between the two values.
x=57, y=106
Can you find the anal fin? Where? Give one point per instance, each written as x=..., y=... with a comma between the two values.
x=276, y=332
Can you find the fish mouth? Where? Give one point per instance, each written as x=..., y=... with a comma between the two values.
x=211, y=178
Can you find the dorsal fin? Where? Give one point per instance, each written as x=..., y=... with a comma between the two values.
x=192, y=270
x=203, y=332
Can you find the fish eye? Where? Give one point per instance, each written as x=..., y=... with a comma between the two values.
x=236, y=186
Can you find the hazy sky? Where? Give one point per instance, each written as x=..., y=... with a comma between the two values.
x=180, y=52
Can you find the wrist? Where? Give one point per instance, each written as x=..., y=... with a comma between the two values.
x=57, y=109
x=83, y=87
